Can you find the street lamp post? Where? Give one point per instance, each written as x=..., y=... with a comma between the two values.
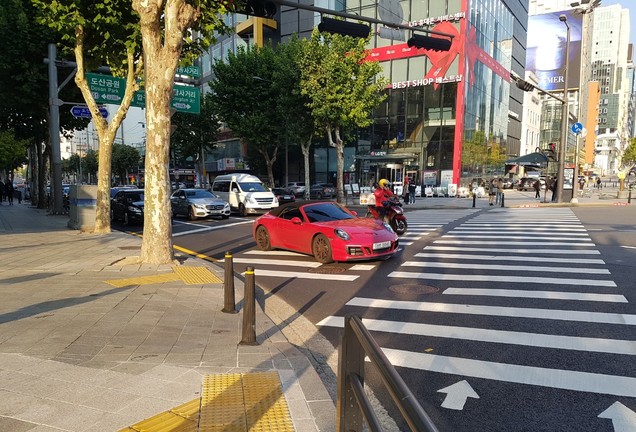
x=564, y=120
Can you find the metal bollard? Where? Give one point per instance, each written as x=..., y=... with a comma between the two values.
x=248, y=336
x=502, y=199
x=629, y=197
x=229, y=303
x=474, y=198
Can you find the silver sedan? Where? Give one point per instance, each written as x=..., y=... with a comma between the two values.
x=198, y=203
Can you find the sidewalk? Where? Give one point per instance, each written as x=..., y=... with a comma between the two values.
x=78, y=353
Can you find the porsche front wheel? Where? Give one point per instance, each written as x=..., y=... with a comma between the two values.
x=262, y=239
x=321, y=249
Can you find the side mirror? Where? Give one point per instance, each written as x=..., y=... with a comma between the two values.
x=182, y=197
x=296, y=220
x=235, y=190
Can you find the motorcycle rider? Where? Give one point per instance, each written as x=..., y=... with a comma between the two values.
x=382, y=194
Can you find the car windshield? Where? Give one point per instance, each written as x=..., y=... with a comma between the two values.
x=252, y=187
x=134, y=197
x=200, y=193
x=326, y=212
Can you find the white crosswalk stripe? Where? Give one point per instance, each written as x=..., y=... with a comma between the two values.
x=501, y=255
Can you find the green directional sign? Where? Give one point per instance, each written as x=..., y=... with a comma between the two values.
x=191, y=71
x=106, y=88
x=184, y=99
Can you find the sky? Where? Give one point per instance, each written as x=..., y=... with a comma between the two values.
x=631, y=5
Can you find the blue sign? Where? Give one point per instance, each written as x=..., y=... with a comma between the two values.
x=577, y=128
x=84, y=112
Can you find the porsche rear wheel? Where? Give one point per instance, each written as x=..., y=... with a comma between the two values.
x=321, y=249
x=262, y=239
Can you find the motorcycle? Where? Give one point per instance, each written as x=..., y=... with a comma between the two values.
x=394, y=216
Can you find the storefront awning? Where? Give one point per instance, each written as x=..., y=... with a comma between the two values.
x=535, y=158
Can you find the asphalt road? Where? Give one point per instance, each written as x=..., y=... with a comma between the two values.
x=498, y=320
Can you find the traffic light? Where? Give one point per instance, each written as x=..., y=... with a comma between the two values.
x=258, y=8
x=551, y=152
x=345, y=28
x=429, y=42
x=524, y=85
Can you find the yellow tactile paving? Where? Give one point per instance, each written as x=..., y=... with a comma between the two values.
x=196, y=275
x=251, y=402
x=248, y=402
x=144, y=280
x=180, y=419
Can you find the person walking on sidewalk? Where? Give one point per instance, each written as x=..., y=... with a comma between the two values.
x=1, y=192
x=492, y=191
x=412, y=189
x=500, y=190
x=8, y=191
x=537, y=189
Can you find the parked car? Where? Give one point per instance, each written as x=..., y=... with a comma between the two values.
x=322, y=190
x=509, y=183
x=128, y=206
x=198, y=203
x=284, y=195
x=114, y=190
x=527, y=183
x=298, y=188
x=326, y=230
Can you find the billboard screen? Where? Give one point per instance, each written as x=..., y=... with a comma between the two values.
x=547, y=36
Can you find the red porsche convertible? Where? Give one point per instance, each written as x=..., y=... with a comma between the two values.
x=326, y=230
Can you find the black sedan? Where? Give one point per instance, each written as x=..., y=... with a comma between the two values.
x=284, y=195
x=128, y=206
x=322, y=190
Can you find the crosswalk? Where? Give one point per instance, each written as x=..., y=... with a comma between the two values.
x=531, y=269
x=285, y=264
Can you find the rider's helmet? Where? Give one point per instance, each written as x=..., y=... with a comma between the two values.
x=384, y=183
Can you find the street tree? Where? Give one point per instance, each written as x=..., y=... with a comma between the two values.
x=629, y=156
x=247, y=94
x=342, y=86
x=124, y=158
x=24, y=86
x=194, y=135
x=474, y=152
x=12, y=153
x=99, y=34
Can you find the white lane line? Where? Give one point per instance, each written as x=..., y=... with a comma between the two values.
x=274, y=252
x=299, y=275
x=510, y=258
x=504, y=267
x=547, y=295
x=518, y=251
x=217, y=227
x=629, y=247
x=544, y=377
x=406, y=243
x=551, y=314
x=514, y=243
x=363, y=267
x=521, y=229
x=523, y=225
x=507, y=279
x=561, y=236
x=275, y=262
x=572, y=343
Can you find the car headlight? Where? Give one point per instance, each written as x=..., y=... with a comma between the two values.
x=134, y=209
x=342, y=234
x=387, y=226
x=200, y=206
x=226, y=206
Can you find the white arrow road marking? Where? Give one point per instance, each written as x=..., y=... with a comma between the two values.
x=623, y=419
x=544, y=377
x=457, y=394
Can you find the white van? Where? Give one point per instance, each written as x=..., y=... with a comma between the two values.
x=245, y=193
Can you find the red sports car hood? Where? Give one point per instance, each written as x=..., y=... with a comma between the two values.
x=356, y=225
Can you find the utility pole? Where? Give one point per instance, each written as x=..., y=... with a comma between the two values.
x=564, y=120
x=54, y=132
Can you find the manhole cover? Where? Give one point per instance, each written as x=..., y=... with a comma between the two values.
x=413, y=289
x=327, y=270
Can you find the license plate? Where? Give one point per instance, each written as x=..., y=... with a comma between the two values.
x=381, y=245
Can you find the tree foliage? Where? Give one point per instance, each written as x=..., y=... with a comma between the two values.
x=248, y=94
x=629, y=156
x=125, y=159
x=13, y=152
x=194, y=133
x=343, y=88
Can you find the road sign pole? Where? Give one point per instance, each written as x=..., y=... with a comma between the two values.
x=54, y=133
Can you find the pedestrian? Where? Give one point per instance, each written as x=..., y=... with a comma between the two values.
x=554, y=189
x=492, y=192
x=412, y=189
x=537, y=189
x=598, y=183
x=499, y=191
x=8, y=191
x=405, y=191
x=1, y=192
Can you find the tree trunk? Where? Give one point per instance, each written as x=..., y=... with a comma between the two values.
x=305, y=149
x=269, y=163
x=340, y=166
